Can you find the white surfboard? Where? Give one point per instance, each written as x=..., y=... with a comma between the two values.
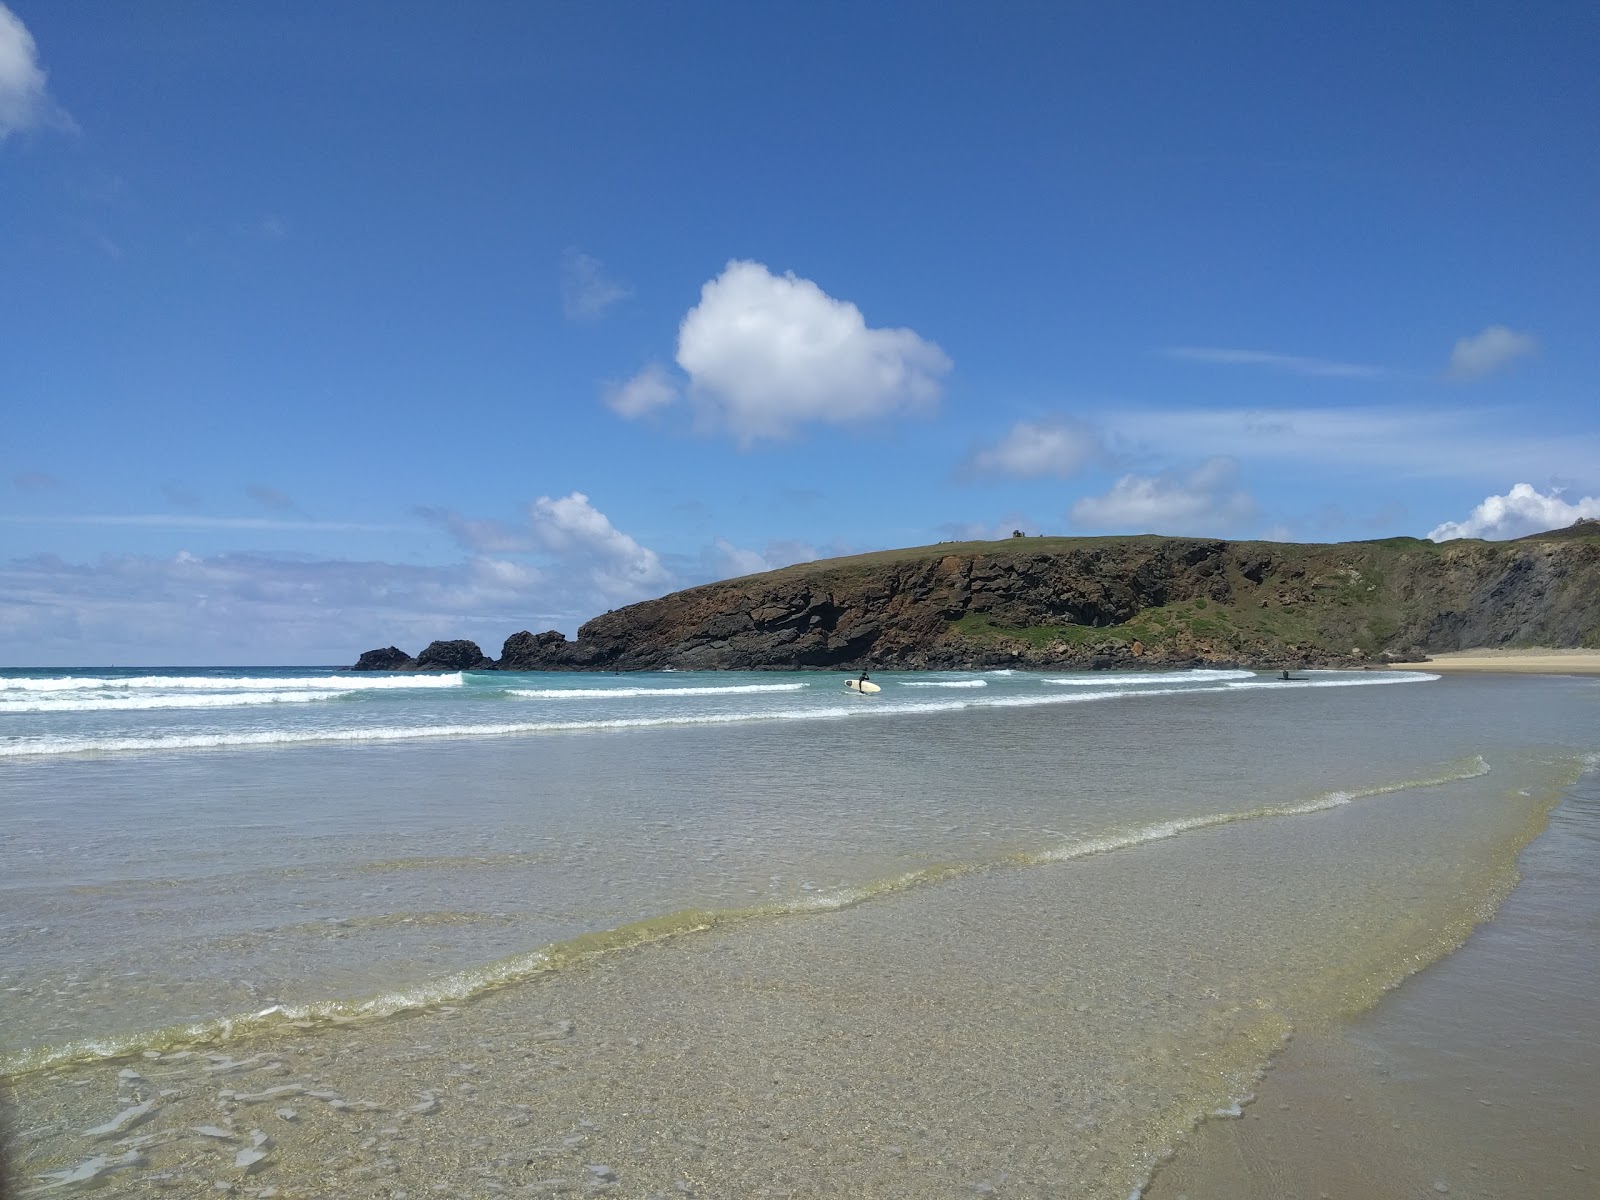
x=866, y=689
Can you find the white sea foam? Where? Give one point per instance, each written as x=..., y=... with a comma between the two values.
x=1342, y=679
x=232, y=683
x=1144, y=678
x=1161, y=830
x=746, y=689
x=21, y=747
x=117, y=702
x=948, y=683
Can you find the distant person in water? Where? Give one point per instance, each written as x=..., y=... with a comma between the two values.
x=863, y=678
x=1285, y=673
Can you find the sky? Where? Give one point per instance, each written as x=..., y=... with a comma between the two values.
x=327, y=327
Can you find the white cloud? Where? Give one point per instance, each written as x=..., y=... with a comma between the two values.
x=1292, y=363
x=1059, y=447
x=724, y=560
x=646, y=392
x=1520, y=511
x=617, y=569
x=193, y=608
x=586, y=290
x=1205, y=501
x=766, y=354
x=1486, y=352
x=24, y=103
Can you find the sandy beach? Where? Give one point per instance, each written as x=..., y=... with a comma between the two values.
x=1537, y=661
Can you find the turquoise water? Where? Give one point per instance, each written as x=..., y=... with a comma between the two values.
x=1048, y=919
x=45, y=712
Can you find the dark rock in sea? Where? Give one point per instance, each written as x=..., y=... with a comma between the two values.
x=390, y=658
x=452, y=656
x=550, y=651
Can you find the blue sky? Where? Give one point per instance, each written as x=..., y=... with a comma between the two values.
x=329, y=326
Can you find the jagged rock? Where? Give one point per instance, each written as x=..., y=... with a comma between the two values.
x=452, y=656
x=390, y=658
x=1113, y=602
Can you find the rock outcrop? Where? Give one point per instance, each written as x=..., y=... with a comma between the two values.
x=1096, y=602
x=390, y=658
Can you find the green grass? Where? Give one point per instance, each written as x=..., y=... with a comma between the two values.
x=975, y=627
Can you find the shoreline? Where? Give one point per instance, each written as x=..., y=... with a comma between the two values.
x=1440, y=1086
x=1532, y=661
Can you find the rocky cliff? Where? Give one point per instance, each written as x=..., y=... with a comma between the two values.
x=1112, y=601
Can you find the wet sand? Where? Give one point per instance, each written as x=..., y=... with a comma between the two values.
x=1024, y=1031
x=1480, y=1077
x=1536, y=661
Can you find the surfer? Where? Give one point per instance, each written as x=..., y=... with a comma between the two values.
x=863, y=678
x=1285, y=674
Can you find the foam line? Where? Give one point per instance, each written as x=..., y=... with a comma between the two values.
x=746, y=689
x=234, y=683
x=129, y=703
x=390, y=733
x=465, y=984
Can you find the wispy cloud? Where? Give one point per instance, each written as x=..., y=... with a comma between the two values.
x=586, y=290
x=25, y=103
x=269, y=497
x=1294, y=364
x=1206, y=501
x=1407, y=442
x=651, y=389
x=1058, y=446
x=34, y=481
x=1487, y=352
x=183, y=522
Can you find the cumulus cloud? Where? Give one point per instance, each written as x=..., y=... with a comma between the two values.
x=646, y=392
x=24, y=102
x=565, y=563
x=1205, y=501
x=1292, y=363
x=586, y=290
x=766, y=354
x=1486, y=352
x=616, y=568
x=1522, y=510
x=1058, y=446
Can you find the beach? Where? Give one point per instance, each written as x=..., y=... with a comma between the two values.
x=1512, y=662
x=1007, y=934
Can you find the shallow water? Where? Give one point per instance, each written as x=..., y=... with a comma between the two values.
x=1020, y=947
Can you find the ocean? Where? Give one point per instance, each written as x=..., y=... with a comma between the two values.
x=302, y=932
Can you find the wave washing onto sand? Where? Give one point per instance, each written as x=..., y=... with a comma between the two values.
x=862, y=706
x=1472, y=768
x=1144, y=678
x=459, y=986
x=744, y=689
